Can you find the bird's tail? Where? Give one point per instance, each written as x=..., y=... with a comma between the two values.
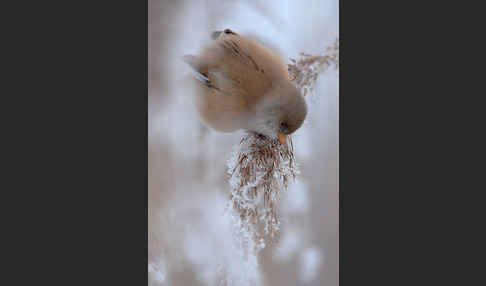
x=216, y=34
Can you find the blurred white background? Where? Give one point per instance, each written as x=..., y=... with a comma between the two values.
x=189, y=237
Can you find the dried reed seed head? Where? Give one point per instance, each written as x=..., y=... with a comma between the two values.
x=305, y=71
x=259, y=170
x=261, y=167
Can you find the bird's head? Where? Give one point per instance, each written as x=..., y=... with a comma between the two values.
x=279, y=113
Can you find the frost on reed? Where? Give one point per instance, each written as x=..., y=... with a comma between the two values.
x=305, y=71
x=260, y=168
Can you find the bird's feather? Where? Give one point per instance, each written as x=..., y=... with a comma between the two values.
x=197, y=69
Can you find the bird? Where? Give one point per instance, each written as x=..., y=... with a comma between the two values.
x=243, y=85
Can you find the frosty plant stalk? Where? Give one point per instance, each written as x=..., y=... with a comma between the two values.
x=260, y=167
x=304, y=72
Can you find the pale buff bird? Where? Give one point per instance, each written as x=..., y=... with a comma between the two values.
x=244, y=85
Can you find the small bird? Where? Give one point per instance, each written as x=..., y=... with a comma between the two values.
x=244, y=85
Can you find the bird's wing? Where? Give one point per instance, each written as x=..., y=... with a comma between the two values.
x=210, y=72
x=200, y=73
x=249, y=67
x=207, y=73
x=236, y=66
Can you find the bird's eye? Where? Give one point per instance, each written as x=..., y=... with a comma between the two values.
x=284, y=126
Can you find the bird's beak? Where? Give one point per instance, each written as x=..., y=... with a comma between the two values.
x=282, y=138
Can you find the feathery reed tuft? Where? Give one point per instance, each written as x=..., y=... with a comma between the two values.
x=304, y=72
x=260, y=168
